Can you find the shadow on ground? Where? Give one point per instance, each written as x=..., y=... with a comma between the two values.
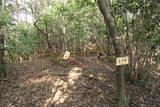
x=42, y=84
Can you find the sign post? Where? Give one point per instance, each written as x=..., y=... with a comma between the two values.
x=66, y=57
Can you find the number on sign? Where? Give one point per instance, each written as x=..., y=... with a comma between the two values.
x=66, y=55
x=122, y=61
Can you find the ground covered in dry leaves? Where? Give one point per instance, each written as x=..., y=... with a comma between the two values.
x=40, y=83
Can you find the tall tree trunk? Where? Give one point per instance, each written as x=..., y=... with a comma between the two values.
x=2, y=66
x=110, y=24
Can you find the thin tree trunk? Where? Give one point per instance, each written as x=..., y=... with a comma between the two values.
x=45, y=33
x=2, y=67
x=110, y=24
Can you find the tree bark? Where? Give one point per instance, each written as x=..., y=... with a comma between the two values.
x=2, y=66
x=110, y=24
x=45, y=33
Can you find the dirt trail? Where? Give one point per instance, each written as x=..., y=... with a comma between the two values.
x=42, y=84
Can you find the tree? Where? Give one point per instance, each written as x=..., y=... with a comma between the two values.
x=2, y=68
x=110, y=24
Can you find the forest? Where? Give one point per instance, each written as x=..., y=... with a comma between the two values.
x=79, y=53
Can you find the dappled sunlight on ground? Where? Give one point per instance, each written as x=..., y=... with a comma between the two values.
x=73, y=75
x=158, y=67
x=43, y=71
x=46, y=85
x=57, y=96
x=60, y=87
x=40, y=80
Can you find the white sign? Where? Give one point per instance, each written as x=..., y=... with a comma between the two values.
x=122, y=61
x=66, y=55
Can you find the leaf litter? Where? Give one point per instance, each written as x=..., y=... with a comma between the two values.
x=44, y=84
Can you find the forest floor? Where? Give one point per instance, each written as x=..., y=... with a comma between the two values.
x=40, y=83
